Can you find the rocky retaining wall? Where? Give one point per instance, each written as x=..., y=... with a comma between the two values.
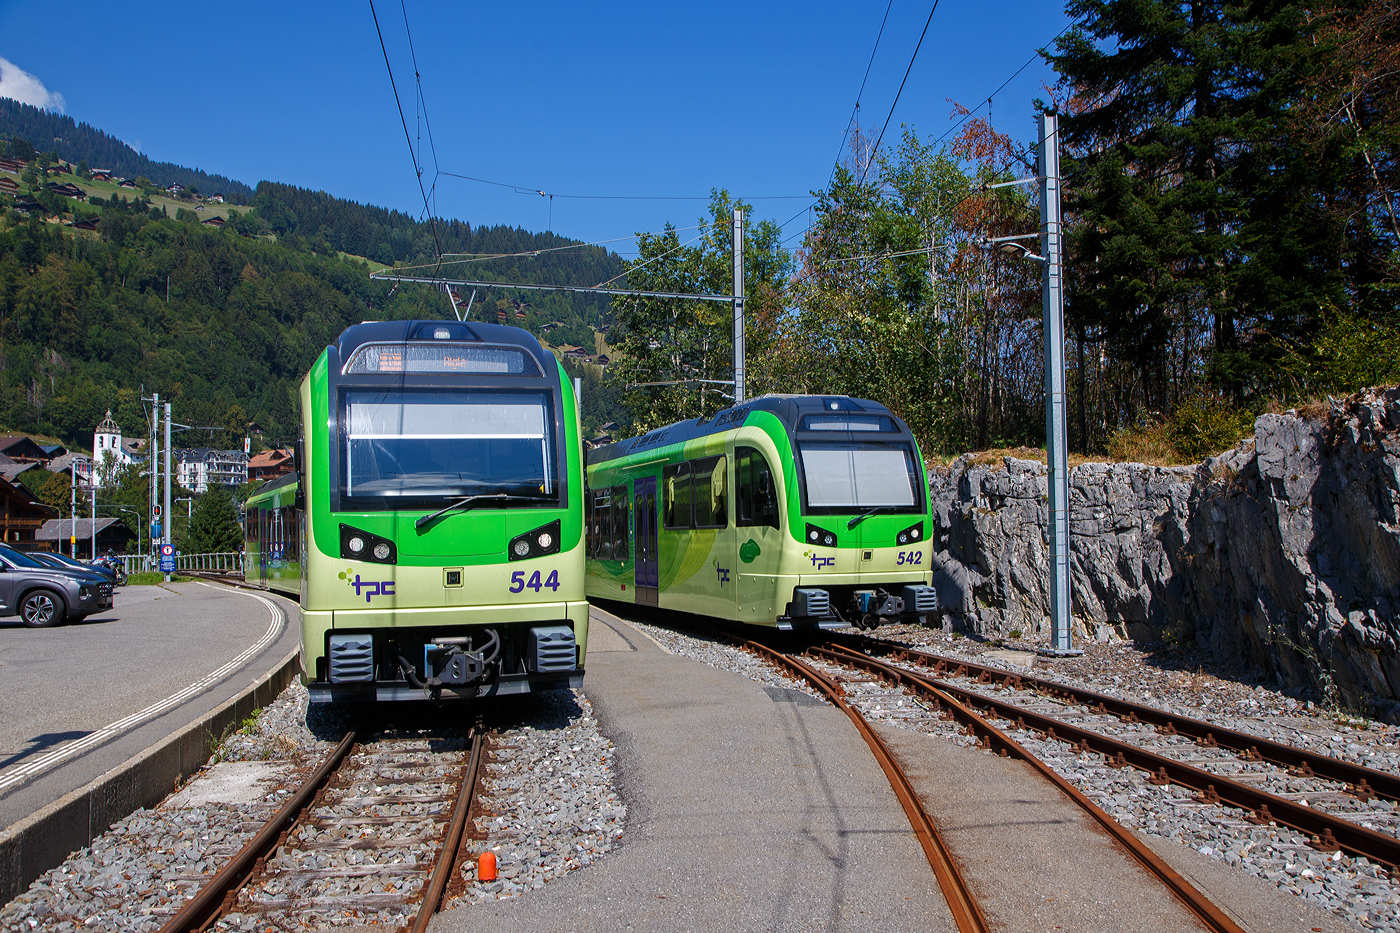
x=1282, y=554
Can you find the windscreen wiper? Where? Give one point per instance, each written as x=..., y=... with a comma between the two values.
x=875, y=511
x=466, y=502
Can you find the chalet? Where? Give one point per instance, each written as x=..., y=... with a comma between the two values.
x=609, y=427
x=520, y=315
x=11, y=473
x=552, y=325
x=175, y=189
x=270, y=464
x=216, y=199
x=55, y=533
x=102, y=174
x=27, y=205
x=22, y=449
x=215, y=222
x=602, y=359
x=66, y=190
x=126, y=183
x=77, y=467
x=9, y=185
x=88, y=224
x=577, y=353
x=23, y=516
x=54, y=450
x=12, y=165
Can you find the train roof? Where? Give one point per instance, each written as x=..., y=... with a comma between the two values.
x=357, y=335
x=789, y=409
x=272, y=485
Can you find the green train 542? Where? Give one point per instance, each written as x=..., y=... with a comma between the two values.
x=788, y=510
x=433, y=530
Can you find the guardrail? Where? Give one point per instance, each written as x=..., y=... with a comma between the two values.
x=225, y=561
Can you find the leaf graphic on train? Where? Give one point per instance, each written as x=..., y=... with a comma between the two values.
x=680, y=562
x=748, y=551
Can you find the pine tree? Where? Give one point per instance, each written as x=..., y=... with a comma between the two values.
x=214, y=526
x=1198, y=216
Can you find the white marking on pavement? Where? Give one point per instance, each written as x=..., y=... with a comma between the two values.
x=23, y=772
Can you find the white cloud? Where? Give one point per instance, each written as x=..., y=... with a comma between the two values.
x=18, y=84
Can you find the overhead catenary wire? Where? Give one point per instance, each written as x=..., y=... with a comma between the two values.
x=861, y=93
x=408, y=138
x=919, y=45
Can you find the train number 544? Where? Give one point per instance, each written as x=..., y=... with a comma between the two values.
x=518, y=581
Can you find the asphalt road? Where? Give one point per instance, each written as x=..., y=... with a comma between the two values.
x=60, y=685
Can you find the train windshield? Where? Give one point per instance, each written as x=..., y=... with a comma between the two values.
x=847, y=477
x=436, y=444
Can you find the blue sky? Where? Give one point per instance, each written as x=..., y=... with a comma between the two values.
x=635, y=99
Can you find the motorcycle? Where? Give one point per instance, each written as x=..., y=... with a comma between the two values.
x=116, y=565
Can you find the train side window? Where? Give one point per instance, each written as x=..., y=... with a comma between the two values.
x=618, y=529
x=756, y=501
x=675, y=496
x=710, y=478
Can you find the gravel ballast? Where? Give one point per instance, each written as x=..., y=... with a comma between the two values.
x=548, y=790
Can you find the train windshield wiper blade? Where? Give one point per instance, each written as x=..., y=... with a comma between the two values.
x=866, y=514
x=466, y=502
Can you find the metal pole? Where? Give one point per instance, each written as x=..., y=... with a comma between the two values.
x=153, y=464
x=1054, y=339
x=738, y=305
x=72, y=510
x=165, y=512
x=92, y=555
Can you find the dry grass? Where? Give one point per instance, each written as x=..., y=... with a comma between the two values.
x=997, y=456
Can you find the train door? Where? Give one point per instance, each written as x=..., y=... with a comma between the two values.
x=646, y=565
x=758, y=521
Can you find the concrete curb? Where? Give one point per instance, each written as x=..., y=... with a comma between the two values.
x=47, y=837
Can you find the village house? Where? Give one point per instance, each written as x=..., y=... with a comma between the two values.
x=56, y=533
x=270, y=464
x=23, y=517
x=9, y=185
x=198, y=467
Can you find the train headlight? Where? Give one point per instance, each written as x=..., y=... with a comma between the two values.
x=819, y=535
x=536, y=542
x=356, y=544
x=911, y=535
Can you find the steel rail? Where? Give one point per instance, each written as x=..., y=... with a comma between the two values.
x=1362, y=780
x=447, y=855
x=209, y=902
x=996, y=740
x=1328, y=832
x=963, y=905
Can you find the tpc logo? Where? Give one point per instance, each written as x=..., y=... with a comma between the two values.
x=819, y=562
x=368, y=588
x=723, y=574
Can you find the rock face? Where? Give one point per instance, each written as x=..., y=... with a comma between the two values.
x=1282, y=554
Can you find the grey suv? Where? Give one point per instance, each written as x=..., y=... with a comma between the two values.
x=43, y=596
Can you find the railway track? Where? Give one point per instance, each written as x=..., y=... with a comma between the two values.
x=1338, y=805
x=967, y=912
x=377, y=829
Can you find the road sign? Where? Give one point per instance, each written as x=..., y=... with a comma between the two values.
x=167, y=550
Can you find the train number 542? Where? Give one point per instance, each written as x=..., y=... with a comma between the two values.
x=518, y=581
x=909, y=557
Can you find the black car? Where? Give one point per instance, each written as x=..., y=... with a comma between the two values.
x=63, y=562
x=42, y=595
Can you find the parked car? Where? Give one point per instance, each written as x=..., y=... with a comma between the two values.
x=42, y=595
x=64, y=562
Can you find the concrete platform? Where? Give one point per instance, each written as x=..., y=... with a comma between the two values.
x=747, y=810
x=60, y=687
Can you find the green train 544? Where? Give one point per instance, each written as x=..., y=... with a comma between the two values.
x=433, y=531
x=788, y=510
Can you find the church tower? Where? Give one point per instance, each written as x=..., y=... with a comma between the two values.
x=108, y=436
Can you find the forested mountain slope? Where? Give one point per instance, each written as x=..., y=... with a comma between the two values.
x=78, y=142
x=225, y=322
